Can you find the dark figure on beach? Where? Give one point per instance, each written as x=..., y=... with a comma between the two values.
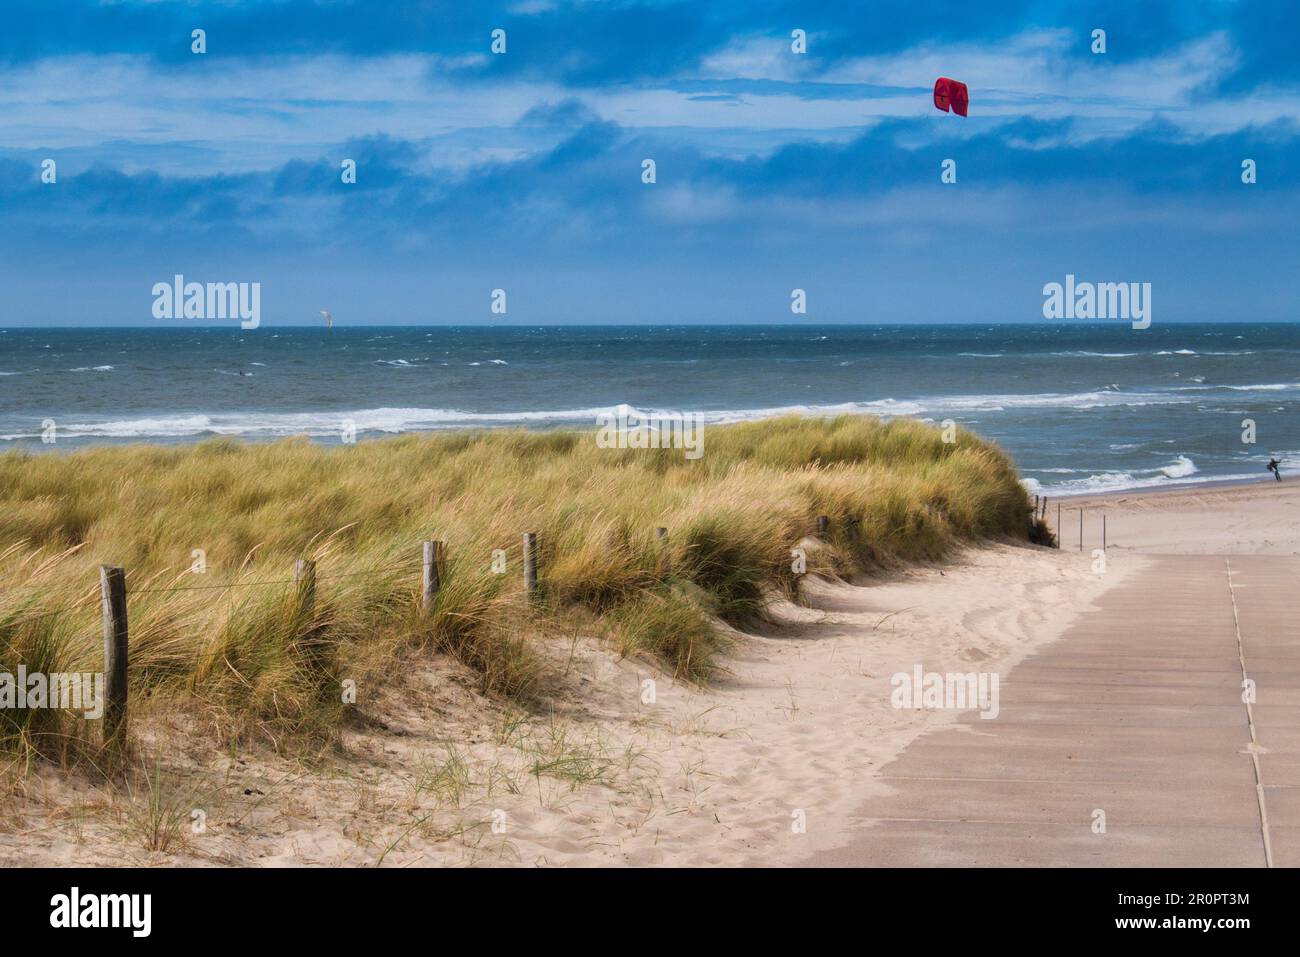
x=1275, y=469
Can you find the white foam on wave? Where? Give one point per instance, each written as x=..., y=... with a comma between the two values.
x=395, y=420
x=1177, y=472
x=1100, y=398
x=1181, y=468
x=315, y=424
x=1097, y=355
x=1260, y=387
x=170, y=427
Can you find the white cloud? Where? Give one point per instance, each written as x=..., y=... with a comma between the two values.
x=264, y=112
x=204, y=116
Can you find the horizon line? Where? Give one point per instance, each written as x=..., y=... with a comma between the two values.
x=1073, y=323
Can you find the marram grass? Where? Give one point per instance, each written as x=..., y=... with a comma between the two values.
x=252, y=657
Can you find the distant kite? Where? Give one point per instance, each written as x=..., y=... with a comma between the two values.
x=951, y=93
x=329, y=319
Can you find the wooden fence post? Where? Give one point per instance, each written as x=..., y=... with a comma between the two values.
x=431, y=576
x=661, y=533
x=1058, y=525
x=1103, y=531
x=112, y=585
x=530, y=562
x=1080, y=529
x=304, y=573
x=823, y=524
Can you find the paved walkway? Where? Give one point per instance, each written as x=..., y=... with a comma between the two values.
x=1136, y=711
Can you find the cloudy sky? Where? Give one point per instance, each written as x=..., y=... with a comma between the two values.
x=522, y=170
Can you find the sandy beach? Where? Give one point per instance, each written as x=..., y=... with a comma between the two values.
x=1259, y=518
x=767, y=766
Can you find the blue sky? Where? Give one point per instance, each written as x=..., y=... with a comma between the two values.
x=522, y=171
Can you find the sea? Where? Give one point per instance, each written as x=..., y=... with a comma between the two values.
x=1082, y=408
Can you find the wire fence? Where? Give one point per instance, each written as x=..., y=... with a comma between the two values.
x=48, y=613
x=404, y=566
x=114, y=593
x=95, y=600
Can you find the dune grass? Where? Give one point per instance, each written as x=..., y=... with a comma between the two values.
x=253, y=658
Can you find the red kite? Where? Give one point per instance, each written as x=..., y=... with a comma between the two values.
x=951, y=93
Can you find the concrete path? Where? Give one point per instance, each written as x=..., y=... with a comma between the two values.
x=1137, y=712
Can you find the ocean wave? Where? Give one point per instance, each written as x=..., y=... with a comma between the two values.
x=396, y=420
x=382, y=420
x=1108, y=396
x=1124, y=482
x=169, y=427
x=1182, y=471
x=1260, y=387
x=316, y=424
x=1097, y=355
x=92, y=369
x=1099, y=398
